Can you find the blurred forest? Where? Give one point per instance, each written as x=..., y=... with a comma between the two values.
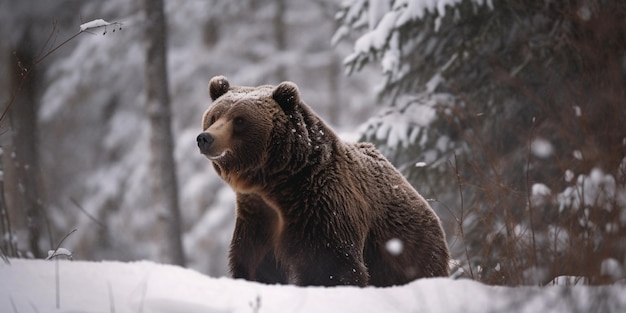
x=507, y=115
x=84, y=143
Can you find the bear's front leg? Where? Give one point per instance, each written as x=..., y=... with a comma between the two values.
x=331, y=270
x=322, y=261
x=252, y=247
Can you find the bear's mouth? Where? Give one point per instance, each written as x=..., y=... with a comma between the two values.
x=216, y=157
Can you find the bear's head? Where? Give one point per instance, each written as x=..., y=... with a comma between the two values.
x=252, y=133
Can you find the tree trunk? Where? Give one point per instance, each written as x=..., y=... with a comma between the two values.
x=162, y=166
x=21, y=163
x=280, y=33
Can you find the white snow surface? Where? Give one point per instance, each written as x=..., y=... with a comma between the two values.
x=31, y=286
x=401, y=125
x=383, y=22
x=595, y=189
x=97, y=24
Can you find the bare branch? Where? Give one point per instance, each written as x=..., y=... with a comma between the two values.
x=91, y=217
x=95, y=24
x=55, y=251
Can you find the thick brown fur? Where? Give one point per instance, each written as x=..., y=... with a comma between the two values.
x=311, y=209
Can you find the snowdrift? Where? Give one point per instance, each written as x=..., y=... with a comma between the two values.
x=77, y=286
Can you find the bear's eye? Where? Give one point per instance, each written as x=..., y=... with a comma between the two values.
x=239, y=121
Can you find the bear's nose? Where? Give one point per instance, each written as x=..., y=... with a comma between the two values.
x=204, y=142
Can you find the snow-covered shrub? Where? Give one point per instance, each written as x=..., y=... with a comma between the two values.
x=525, y=157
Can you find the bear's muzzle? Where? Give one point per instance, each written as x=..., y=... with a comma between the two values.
x=205, y=140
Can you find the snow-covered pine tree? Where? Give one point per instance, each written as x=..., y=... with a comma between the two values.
x=510, y=114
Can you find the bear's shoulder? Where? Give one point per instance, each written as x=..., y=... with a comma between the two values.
x=365, y=151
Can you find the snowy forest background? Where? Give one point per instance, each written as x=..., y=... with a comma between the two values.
x=507, y=115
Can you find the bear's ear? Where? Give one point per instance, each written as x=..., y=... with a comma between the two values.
x=218, y=86
x=287, y=95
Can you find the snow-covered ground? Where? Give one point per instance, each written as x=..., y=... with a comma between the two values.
x=77, y=286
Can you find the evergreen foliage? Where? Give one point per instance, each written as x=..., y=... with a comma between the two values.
x=526, y=154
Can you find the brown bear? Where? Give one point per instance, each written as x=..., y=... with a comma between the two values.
x=312, y=209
